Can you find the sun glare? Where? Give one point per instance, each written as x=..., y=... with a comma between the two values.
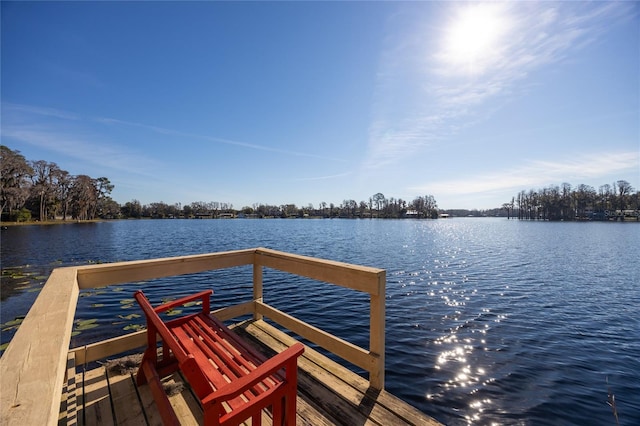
x=474, y=36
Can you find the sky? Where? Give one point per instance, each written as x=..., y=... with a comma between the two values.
x=308, y=102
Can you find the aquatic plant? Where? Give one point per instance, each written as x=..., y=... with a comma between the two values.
x=611, y=401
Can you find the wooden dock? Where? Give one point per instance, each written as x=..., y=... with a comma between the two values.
x=328, y=393
x=43, y=380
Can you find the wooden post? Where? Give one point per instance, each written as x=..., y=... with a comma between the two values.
x=377, y=332
x=33, y=368
x=257, y=286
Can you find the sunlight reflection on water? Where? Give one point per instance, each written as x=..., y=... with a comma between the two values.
x=483, y=302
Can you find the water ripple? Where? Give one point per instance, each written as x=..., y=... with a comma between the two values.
x=489, y=321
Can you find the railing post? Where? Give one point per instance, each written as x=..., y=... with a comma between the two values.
x=257, y=286
x=377, y=332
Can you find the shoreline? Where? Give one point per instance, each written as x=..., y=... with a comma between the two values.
x=48, y=222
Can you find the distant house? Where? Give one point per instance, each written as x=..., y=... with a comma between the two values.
x=204, y=216
x=246, y=216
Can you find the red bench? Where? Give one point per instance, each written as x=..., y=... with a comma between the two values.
x=232, y=381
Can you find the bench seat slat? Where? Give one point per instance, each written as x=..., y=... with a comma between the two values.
x=213, y=344
x=217, y=373
x=239, y=360
x=222, y=366
x=212, y=332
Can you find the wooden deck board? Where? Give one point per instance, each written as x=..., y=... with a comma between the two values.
x=340, y=392
x=184, y=403
x=94, y=406
x=149, y=406
x=125, y=400
x=328, y=393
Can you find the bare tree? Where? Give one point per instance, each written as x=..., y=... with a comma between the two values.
x=44, y=186
x=584, y=196
x=103, y=188
x=430, y=205
x=15, y=173
x=418, y=205
x=83, y=197
x=624, y=191
x=379, y=200
x=63, y=191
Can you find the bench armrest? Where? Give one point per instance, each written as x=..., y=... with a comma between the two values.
x=269, y=367
x=204, y=295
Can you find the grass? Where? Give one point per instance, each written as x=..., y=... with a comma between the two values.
x=611, y=400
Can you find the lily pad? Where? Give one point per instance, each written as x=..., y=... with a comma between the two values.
x=127, y=301
x=4, y=346
x=129, y=317
x=82, y=325
x=14, y=323
x=133, y=327
x=86, y=327
x=97, y=305
x=173, y=312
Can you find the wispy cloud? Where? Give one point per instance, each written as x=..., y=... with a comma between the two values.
x=68, y=134
x=420, y=102
x=77, y=76
x=11, y=108
x=76, y=136
x=89, y=149
x=214, y=139
x=537, y=174
x=326, y=177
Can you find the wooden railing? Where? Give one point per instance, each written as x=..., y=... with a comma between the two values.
x=32, y=369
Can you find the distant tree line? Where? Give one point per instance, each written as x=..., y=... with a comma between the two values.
x=377, y=206
x=618, y=201
x=41, y=190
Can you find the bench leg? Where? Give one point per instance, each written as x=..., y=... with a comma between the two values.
x=141, y=377
x=257, y=419
x=164, y=367
x=147, y=358
x=169, y=417
x=291, y=395
x=289, y=403
x=278, y=410
x=211, y=415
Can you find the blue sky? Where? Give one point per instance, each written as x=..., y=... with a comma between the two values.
x=305, y=102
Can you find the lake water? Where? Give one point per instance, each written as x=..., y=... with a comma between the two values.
x=489, y=321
